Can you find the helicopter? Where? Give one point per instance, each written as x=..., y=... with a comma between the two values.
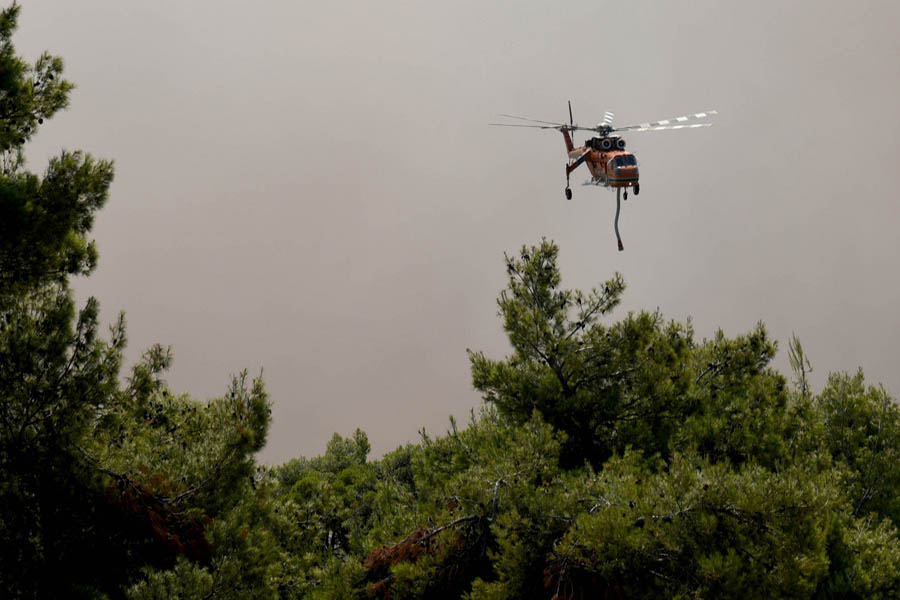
x=604, y=154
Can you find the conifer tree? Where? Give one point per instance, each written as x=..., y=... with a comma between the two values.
x=54, y=371
x=626, y=459
x=104, y=489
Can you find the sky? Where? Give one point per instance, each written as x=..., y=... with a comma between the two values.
x=311, y=189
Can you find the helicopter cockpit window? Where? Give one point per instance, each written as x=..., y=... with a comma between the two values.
x=625, y=160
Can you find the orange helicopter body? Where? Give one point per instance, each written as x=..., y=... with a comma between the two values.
x=606, y=159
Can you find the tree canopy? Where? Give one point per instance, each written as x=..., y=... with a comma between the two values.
x=106, y=487
x=610, y=458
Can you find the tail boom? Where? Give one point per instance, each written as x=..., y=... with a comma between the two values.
x=569, y=145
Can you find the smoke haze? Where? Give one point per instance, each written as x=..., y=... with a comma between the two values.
x=312, y=188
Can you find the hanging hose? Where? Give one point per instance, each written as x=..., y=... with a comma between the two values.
x=618, y=207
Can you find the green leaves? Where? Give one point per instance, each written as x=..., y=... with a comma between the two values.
x=861, y=430
x=543, y=322
x=114, y=483
x=741, y=406
x=706, y=476
x=28, y=94
x=44, y=223
x=189, y=453
x=701, y=529
x=606, y=387
x=55, y=376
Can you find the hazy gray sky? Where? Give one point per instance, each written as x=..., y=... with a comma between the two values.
x=311, y=187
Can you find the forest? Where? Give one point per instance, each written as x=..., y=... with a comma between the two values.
x=614, y=456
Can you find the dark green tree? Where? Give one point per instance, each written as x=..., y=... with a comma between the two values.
x=44, y=221
x=54, y=370
x=861, y=430
x=106, y=489
x=625, y=459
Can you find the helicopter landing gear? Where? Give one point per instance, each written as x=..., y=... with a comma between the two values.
x=625, y=195
x=568, y=193
x=637, y=189
x=618, y=207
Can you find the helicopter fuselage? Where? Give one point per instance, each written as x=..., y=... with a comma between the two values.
x=604, y=153
x=606, y=159
x=615, y=168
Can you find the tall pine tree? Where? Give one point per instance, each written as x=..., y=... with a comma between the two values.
x=104, y=488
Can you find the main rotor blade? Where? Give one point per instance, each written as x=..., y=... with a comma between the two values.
x=662, y=127
x=534, y=120
x=520, y=125
x=672, y=123
x=571, y=120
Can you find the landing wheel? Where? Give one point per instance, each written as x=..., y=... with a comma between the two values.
x=568, y=193
x=637, y=189
x=625, y=195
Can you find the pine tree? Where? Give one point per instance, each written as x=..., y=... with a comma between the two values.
x=106, y=489
x=626, y=459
